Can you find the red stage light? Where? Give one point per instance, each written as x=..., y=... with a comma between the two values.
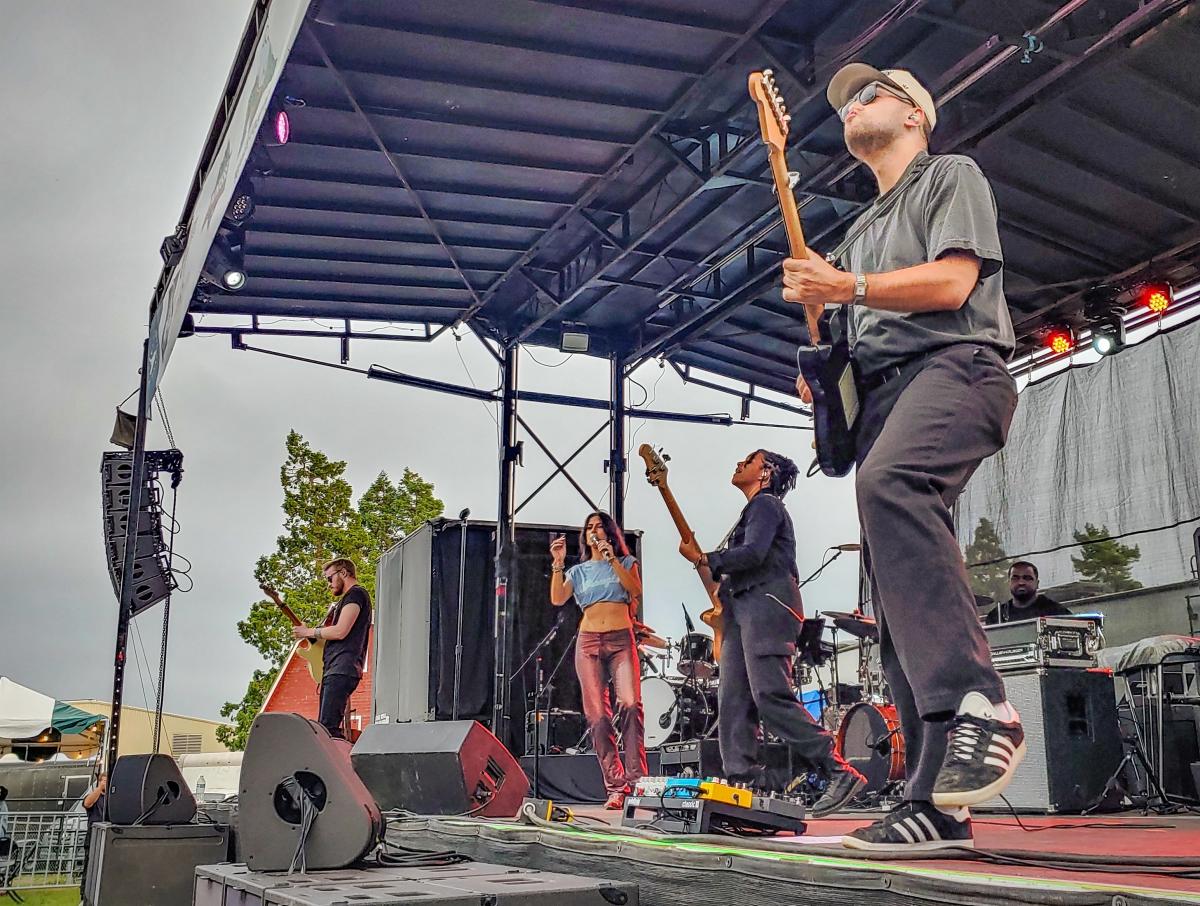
x=283, y=127
x=1156, y=296
x=1059, y=340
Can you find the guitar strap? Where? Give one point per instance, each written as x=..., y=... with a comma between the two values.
x=879, y=207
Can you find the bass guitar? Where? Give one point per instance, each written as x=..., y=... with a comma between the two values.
x=311, y=650
x=656, y=474
x=827, y=367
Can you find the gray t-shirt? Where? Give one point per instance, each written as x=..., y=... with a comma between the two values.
x=950, y=206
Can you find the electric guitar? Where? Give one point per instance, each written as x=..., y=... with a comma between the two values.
x=656, y=474
x=312, y=650
x=827, y=367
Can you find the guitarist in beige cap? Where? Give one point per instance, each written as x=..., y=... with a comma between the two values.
x=930, y=333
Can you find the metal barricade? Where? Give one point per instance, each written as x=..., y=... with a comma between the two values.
x=44, y=849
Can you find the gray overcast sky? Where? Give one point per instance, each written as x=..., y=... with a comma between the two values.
x=105, y=107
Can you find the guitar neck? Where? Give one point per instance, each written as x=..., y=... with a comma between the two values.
x=681, y=524
x=795, y=231
x=287, y=612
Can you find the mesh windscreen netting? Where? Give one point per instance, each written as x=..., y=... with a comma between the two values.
x=1113, y=446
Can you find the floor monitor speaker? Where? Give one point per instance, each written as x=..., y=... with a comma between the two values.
x=299, y=795
x=148, y=789
x=452, y=767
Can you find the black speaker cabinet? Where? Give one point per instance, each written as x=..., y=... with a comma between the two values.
x=148, y=789
x=149, y=866
x=1072, y=739
x=286, y=751
x=444, y=768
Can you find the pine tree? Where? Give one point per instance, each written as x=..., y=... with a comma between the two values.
x=321, y=522
x=985, y=547
x=1106, y=562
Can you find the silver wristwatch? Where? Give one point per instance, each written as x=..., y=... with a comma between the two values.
x=860, y=289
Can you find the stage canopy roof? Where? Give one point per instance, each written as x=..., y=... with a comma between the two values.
x=514, y=166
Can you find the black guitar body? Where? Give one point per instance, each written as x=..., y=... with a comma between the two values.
x=828, y=370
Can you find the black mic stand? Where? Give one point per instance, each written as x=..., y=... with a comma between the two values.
x=544, y=687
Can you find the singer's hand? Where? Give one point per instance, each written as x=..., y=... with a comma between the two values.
x=691, y=550
x=558, y=550
x=605, y=549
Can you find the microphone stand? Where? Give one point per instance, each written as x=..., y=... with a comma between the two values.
x=462, y=582
x=541, y=688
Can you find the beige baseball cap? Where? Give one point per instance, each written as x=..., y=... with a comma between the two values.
x=853, y=77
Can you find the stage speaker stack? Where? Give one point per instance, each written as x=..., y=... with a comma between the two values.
x=299, y=794
x=444, y=768
x=1072, y=739
x=152, y=576
x=150, y=866
x=149, y=789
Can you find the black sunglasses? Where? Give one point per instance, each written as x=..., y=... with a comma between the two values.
x=867, y=94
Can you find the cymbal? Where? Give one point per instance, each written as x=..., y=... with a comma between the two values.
x=857, y=625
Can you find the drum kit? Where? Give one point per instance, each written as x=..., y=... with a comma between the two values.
x=678, y=707
x=862, y=714
x=859, y=712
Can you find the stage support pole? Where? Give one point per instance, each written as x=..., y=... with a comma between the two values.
x=137, y=489
x=506, y=561
x=616, y=454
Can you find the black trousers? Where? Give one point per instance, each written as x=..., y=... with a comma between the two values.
x=921, y=437
x=335, y=695
x=761, y=626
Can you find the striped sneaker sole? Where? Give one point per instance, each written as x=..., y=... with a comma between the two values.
x=921, y=847
x=959, y=798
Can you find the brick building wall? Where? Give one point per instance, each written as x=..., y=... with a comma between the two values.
x=296, y=692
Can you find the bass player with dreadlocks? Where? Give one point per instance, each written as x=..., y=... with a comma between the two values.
x=760, y=599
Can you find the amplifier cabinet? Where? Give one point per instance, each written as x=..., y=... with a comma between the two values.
x=1072, y=739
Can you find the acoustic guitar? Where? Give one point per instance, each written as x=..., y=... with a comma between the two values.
x=311, y=650
x=827, y=367
x=656, y=474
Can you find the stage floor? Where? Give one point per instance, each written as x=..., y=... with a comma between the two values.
x=1010, y=865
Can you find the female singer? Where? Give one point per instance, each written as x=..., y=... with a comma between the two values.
x=607, y=588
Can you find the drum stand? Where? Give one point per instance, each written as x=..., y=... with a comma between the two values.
x=543, y=687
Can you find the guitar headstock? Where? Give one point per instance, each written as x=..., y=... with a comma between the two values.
x=773, y=118
x=656, y=465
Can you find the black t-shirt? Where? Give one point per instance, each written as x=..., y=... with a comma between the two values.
x=1010, y=612
x=96, y=812
x=346, y=657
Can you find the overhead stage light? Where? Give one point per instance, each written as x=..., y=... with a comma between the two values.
x=241, y=205
x=1156, y=296
x=224, y=266
x=1108, y=335
x=1059, y=340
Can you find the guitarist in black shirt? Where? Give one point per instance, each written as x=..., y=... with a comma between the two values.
x=929, y=334
x=346, y=630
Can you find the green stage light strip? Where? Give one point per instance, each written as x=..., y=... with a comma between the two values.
x=983, y=876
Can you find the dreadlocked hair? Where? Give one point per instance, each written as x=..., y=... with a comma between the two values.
x=783, y=473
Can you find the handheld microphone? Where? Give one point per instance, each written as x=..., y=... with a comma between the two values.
x=607, y=555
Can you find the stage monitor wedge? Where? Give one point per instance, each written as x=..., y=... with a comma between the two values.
x=454, y=767
x=285, y=750
x=149, y=789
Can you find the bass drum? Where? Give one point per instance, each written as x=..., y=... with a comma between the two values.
x=660, y=704
x=870, y=739
x=677, y=712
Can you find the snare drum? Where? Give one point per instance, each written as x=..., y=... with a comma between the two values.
x=696, y=658
x=870, y=739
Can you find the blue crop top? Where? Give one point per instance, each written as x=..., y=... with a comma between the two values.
x=595, y=580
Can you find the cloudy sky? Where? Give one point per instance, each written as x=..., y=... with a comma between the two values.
x=105, y=107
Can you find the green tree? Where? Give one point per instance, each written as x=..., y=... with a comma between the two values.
x=1105, y=560
x=990, y=579
x=320, y=522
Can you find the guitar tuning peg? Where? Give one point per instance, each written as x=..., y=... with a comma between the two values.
x=767, y=74
x=787, y=117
